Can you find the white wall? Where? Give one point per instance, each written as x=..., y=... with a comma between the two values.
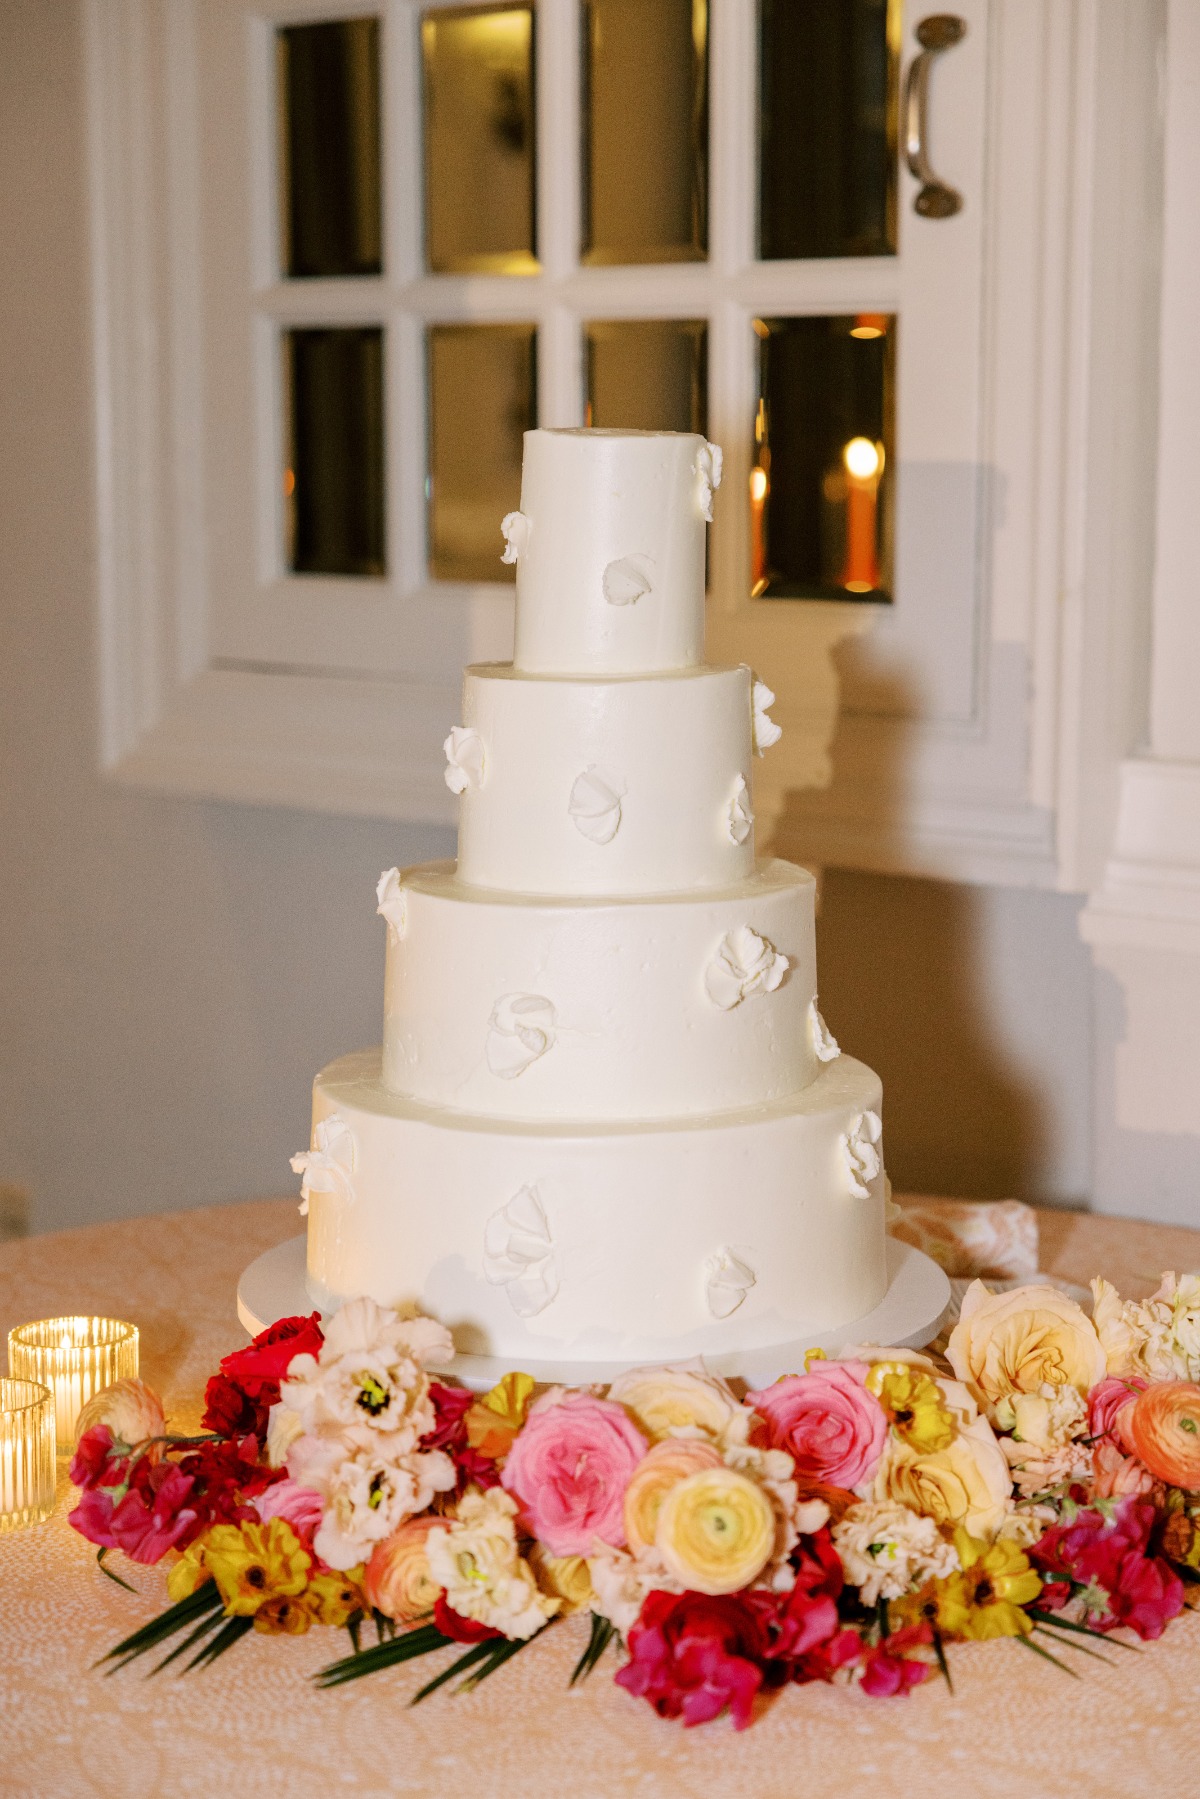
x=171, y=973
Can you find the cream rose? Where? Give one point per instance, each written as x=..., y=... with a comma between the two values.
x=1016, y=1342
x=967, y=1483
x=667, y=1400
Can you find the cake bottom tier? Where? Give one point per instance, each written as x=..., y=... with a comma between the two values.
x=628, y=1243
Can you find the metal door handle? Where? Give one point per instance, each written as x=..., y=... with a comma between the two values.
x=937, y=199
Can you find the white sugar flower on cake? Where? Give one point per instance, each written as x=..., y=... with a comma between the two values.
x=393, y=903
x=595, y=804
x=740, y=821
x=709, y=464
x=515, y=527
x=729, y=1281
x=860, y=1152
x=626, y=580
x=766, y=731
x=464, y=759
x=328, y=1167
x=745, y=963
x=518, y=1254
x=520, y=1030
x=825, y=1044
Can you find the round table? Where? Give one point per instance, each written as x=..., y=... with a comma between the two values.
x=255, y=1725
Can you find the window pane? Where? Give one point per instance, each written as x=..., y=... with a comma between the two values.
x=334, y=480
x=821, y=487
x=329, y=148
x=645, y=178
x=828, y=73
x=481, y=401
x=479, y=191
x=647, y=374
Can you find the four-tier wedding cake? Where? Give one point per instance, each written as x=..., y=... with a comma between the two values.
x=607, y=1122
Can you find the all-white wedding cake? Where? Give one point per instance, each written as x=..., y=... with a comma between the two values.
x=607, y=1122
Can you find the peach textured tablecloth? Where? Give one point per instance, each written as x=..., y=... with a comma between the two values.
x=254, y=1724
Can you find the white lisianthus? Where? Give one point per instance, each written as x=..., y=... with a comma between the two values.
x=369, y=1380
x=474, y=1558
x=366, y=1493
x=283, y=1428
x=620, y=1583
x=886, y=1550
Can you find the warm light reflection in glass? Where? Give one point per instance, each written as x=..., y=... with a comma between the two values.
x=26, y=1453
x=74, y=1358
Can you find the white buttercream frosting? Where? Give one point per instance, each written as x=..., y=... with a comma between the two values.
x=626, y=580
x=515, y=527
x=518, y=1254
x=328, y=1167
x=729, y=1281
x=464, y=759
x=744, y=963
x=709, y=464
x=766, y=731
x=741, y=819
x=595, y=804
x=520, y=1030
x=825, y=1044
x=860, y=1152
x=393, y=904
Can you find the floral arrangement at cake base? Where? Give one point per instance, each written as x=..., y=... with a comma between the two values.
x=1042, y=1483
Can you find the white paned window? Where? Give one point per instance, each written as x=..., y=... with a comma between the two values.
x=346, y=253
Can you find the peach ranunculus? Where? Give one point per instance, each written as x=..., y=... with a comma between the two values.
x=569, y=1469
x=830, y=1425
x=664, y=1400
x=967, y=1483
x=1016, y=1342
x=397, y=1581
x=1164, y=1432
x=666, y=1464
x=131, y=1410
x=716, y=1531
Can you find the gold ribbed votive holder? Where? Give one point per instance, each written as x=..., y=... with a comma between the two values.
x=26, y=1453
x=74, y=1357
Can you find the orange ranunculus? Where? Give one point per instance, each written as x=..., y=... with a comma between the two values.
x=1164, y=1432
x=662, y=1468
x=398, y=1582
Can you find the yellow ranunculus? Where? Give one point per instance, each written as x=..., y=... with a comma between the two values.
x=565, y=1577
x=966, y=1483
x=255, y=1562
x=913, y=1402
x=1015, y=1342
x=716, y=1531
x=662, y=1468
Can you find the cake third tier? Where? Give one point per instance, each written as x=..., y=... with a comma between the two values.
x=512, y=1007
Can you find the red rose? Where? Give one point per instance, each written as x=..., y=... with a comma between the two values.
x=226, y=1477
x=694, y=1656
x=462, y=1630
x=238, y=1400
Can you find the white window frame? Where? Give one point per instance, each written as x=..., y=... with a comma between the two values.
x=188, y=704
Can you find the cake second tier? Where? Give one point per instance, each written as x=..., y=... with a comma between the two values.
x=516, y=1007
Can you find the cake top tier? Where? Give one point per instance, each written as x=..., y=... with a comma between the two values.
x=609, y=548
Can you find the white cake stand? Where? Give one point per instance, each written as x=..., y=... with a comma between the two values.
x=910, y=1315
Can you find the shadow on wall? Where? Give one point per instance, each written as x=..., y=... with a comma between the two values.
x=902, y=987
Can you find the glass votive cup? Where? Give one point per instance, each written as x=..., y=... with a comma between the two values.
x=74, y=1357
x=26, y=1453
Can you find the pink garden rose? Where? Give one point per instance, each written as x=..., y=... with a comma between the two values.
x=298, y=1506
x=1109, y=1404
x=569, y=1468
x=834, y=1430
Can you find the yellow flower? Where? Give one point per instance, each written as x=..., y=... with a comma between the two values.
x=565, y=1577
x=716, y=1531
x=335, y=1597
x=255, y=1562
x=966, y=1483
x=1015, y=1342
x=285, y=1617
x=662, y=1468
x=189, y=1573
x=913, y=1403
x=493, y=1421
x=982, y=1599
